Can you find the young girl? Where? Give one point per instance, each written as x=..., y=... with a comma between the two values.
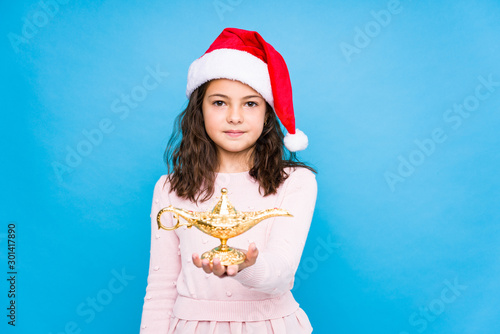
x=230, y=137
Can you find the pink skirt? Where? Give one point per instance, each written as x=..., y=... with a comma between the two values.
x=295, y=323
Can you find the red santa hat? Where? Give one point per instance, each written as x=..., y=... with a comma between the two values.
x=245, y=56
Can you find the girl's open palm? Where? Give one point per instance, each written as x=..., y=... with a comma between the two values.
x=219, y=270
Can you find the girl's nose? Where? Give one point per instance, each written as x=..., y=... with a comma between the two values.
x=234, y=115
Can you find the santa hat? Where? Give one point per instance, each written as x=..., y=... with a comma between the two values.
x=245, y=56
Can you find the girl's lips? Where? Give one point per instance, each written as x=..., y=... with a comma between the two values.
x=233, y=133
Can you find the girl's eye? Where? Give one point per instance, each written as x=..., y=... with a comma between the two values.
x=252, y=104
x=218, y=103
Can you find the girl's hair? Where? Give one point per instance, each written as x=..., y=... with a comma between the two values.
x=192, y=162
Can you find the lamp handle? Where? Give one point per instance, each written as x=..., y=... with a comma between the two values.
x=176, y=216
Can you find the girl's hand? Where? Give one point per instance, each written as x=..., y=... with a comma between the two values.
x=219, y=270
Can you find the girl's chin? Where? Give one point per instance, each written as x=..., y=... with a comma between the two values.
x=233, y=150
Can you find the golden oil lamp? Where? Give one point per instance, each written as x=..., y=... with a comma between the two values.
x=222, y=222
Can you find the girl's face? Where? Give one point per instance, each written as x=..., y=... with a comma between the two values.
x=234, y=115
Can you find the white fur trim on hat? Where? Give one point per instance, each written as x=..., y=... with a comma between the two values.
x=297, y=141
x=231, y=64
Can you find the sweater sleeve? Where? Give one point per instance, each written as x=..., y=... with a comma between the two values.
x=164, y=268
x=275, y=268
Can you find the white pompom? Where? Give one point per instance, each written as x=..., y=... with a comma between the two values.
x=296, y=142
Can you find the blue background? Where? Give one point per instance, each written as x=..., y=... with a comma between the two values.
x=396, y=224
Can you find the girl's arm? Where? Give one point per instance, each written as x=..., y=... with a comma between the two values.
x=164, y=268
x=276, y=264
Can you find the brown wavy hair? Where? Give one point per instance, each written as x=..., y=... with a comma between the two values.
x=192, y=162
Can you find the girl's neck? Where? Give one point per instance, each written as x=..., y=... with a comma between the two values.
x=233, y=163
x=232, y=168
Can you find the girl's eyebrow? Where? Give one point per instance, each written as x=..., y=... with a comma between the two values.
x=221, y=95
x=227, y=97
x=253, y=96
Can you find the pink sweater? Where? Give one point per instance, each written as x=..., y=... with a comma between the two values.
x=179, y=292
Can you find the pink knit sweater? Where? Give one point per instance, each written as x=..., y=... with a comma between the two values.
x=181, y=298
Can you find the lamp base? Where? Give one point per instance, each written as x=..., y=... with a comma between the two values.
x=227, y=255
